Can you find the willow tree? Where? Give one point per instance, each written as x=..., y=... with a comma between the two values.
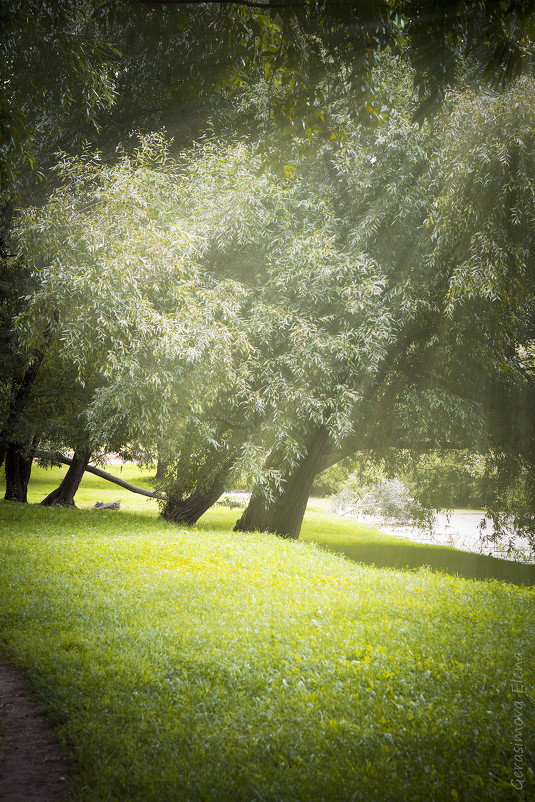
x=355, y=301
x=303, y=316
x=307, y=308
x=277, y=319
x=448, y=220
x=121, y=295
x=482, y=222
x=230, y=303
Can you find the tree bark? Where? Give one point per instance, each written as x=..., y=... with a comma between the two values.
x=283, y=515
x=258, y=515
x=64, y=494
x=18, y=459
x=189, y=510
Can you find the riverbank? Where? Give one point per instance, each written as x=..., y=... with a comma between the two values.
x=461, y=529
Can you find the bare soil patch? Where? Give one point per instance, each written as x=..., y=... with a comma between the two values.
x=32, y=768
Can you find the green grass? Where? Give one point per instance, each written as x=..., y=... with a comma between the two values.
x=366, y=544
x=200, y=664
x=357, y=542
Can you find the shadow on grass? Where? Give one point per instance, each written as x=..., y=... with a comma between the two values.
x=372, y=547
x=410, y=556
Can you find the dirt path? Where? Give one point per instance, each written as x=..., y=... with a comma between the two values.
x=31, y=766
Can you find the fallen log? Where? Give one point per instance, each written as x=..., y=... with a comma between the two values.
x=111, y=478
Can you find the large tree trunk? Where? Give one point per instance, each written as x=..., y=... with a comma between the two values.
x=18, y=459
x=64, y=494
x=189, y=510
x=283, y=514
x=258, y=515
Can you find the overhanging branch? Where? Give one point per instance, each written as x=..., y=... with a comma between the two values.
x=111, y=478
x=249, y=3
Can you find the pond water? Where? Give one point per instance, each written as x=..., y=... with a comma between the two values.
x=460, y=529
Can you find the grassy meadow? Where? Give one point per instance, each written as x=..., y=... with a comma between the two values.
x=201, y=664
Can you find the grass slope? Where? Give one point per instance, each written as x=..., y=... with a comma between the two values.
x=206, y=665
x=358, y=542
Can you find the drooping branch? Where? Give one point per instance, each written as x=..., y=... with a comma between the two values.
x=110, y=478
x=250, y=3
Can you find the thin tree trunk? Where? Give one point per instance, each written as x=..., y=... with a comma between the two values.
x=64, y=494
x=18, y=459
x=283, y=515
x=18, y=405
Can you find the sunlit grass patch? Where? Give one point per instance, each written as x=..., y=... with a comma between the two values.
x=213, y=665
x=357, y=541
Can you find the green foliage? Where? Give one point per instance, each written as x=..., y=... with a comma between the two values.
x=447, y=480
x=444, y=480
x=44, y=95
x=222, y=666
x=485, y=201
x=482, y=226
x=236, y=302
x=70, y=68
x=112, y=241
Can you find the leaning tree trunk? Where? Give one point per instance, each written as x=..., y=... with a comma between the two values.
x=115, y=479
x=283, y=515
x=258, y=515
x=189, y=510
x=64, y=494
x=18, y=464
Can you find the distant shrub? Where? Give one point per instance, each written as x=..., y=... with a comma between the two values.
x=388, y=499
x=446, y=480
x=449, y=480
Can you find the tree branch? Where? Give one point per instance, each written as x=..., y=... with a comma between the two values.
x=110, y=478
x=249, y=3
